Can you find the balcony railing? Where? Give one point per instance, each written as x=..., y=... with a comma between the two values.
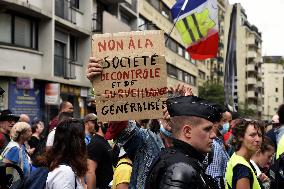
x=132, y=4
x=66, y=10
x=97, y=22
x=64, y=67
x=251, y=81
x=220, y=59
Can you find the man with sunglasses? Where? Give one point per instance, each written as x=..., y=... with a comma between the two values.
x=90, y=121
x=7, y=121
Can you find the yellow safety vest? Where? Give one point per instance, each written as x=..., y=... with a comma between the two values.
x=280, y=147
x=234, y=160
x=195, y=26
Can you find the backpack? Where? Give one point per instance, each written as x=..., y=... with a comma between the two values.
x=37, y=179
x=276, y=173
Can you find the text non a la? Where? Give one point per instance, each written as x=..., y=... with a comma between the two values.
x=118, y=45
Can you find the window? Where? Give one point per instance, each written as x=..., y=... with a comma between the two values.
x=22, y=32
x=172, y=71
x=75, y=3
x=73, y=48
x=201, y=74
x=165, y=11
x=65, y=54
x=186, y=55
x=142, y=23
x=276, y=99
x=155, y=3
x=18, y=30
x=180, y=75
x=125, y=18
x=180, y=50
x=276, y=89
x=5, y=28
x=59, y=58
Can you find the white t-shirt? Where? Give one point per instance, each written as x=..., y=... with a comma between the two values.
x=258, y=171
x=50, y=138
x=62, y=177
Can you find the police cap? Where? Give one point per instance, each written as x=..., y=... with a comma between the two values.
x=194, y=106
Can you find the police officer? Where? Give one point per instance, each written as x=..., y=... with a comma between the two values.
x=181, y=166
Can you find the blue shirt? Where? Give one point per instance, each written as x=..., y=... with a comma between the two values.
x=13, y=156
x=88, y=138
x=142, y=146
x=217, y=168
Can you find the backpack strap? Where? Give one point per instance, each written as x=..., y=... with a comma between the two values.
x=126, y=163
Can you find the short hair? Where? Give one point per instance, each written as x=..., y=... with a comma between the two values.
x=63, y=105
x=240, y=128
x=280, y=113
x=178, y=122
x=34, y=126
x=18, y=129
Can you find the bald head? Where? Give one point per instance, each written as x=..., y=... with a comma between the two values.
x=24, y=118
x=227, y=116
x=66, y=106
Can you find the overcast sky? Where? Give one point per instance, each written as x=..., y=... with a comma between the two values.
x=267, y=16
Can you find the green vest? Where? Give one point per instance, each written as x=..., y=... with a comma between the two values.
x=280, y=147
x=234, y=160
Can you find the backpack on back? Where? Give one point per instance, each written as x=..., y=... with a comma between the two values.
x=37, y=179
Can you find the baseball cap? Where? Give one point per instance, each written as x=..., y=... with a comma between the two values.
x=90, y=117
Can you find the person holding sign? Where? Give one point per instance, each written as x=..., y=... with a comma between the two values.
x=140, y=144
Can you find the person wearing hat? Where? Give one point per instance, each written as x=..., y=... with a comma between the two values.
x=180, y=166
x=90, y=121
x=7, y=121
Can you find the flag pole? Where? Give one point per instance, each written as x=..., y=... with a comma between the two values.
x=182, y=9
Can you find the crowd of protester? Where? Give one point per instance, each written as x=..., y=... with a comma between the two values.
x=197, y=144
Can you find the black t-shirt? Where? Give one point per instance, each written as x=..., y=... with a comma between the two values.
x=241, y=171
x=272, y=135
x=33, y=142
x=38, y=144
x=99, y=151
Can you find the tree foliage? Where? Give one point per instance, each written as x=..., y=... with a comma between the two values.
x=214, y=92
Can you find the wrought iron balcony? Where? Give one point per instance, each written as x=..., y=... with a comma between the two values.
x=66, y=10
x=64, y=67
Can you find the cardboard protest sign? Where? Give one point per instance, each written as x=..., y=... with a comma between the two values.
x=134, y=74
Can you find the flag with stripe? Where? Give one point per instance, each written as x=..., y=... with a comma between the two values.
x=230, y=79
x=197, y=23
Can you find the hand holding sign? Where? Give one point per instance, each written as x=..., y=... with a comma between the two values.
x=94, y=68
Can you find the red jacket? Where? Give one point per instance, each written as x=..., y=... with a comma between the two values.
x=53, y=123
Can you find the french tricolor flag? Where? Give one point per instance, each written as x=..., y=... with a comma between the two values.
x=197, y=23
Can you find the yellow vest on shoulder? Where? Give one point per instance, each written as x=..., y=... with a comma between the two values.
x=280, y=147
x=235, y=160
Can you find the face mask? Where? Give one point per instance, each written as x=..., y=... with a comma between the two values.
x=225, y=128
